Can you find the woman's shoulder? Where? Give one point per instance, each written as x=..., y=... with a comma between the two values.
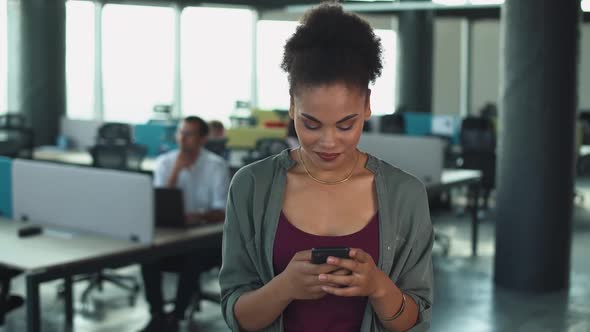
x=262, y=172
x=395, y=176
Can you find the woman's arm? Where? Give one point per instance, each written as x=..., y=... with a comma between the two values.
x=396, y=312
x=257, y=309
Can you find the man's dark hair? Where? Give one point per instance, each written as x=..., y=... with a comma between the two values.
x=332, y=46
x=203, y=126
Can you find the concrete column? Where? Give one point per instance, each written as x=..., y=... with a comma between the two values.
x=415, y=54
x=536, y=144
x=43, y=83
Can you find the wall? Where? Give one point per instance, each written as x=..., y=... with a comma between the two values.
x=446, y=67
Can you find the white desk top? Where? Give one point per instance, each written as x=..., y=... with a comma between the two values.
x=52, y=249
x=78, y=157
x=49, y=249
x=455, y=175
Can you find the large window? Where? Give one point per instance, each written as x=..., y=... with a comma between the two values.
x=383, y=92
x=3, y=57
x=216, y=60
x=273, y=86
x=80, y=59
x=138, y=60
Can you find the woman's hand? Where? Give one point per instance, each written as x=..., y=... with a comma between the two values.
x=365, y=278
x=301, y=277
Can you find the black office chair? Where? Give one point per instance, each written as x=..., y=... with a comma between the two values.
x=217, y=146
x=478, y=145
x=584, y=118
x=393, y=124
x=8, y=301
x=122, y=157
x=113, y=133
x=199, y=293
x=265, y=147
x=16, y=137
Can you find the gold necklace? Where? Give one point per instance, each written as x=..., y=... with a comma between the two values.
x=328, y=182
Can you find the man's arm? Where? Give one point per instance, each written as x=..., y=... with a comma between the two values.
x=182, y=161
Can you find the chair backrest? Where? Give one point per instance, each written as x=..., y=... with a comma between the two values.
x=217, y=146
x=478, y=144
x=266, y=147
x=13, y=121
x=122, y=157
x=16, y=137
x=270, y=146
x=392, y=124
x=113, y=133
x=477, y=135
x=584, y=118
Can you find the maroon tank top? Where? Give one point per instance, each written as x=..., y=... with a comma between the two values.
x=330, y=313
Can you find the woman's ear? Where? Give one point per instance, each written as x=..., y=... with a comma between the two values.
x=368, y=105
x=291, y=108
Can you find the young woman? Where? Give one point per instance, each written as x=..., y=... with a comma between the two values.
x=327, y=193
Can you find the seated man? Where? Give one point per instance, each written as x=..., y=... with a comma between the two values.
x=217, y=130
x=203, y=178
x=8, y=302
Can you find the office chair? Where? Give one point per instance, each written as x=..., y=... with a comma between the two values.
x=265, y=147
x=114, y=133
x=121, y=157
x=217, y=146
x=8, y=301
x=16, y=137
x=392, y=124
x=478, y=143
x=211, y=261
x=584, y=119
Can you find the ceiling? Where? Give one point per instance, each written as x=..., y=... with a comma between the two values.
x=376, y=7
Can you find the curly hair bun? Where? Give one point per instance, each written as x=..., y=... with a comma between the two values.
x=331, y=45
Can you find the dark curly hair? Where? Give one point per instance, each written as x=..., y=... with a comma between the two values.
x=329, y=46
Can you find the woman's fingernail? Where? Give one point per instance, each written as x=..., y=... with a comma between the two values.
x=323, y=277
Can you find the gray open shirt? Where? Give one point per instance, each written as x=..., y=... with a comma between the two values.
x=253, y=207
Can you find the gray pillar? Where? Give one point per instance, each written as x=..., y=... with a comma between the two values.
x=536, y=144
x=43, y=84
x=415, y=51
x=466, y=66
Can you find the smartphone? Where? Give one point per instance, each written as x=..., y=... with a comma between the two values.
x=320, y=255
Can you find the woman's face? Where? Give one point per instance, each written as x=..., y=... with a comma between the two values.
x=329, y=121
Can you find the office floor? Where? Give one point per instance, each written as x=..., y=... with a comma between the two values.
x=466, y=299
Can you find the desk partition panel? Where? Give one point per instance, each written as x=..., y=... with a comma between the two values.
x=108, y=202
x=422, y=157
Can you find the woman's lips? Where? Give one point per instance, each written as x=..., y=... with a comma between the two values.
x=328, y=156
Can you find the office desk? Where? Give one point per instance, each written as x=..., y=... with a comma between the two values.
x=457, y=178
x=82, y=158
x=49, y=257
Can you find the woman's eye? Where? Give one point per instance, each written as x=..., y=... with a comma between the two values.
x=345, y=128
x=310, y=127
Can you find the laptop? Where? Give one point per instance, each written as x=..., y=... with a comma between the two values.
x=169, y=207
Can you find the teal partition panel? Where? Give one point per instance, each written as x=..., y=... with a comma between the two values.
x=418, y=124
x=5, y=187
x=158, y=138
